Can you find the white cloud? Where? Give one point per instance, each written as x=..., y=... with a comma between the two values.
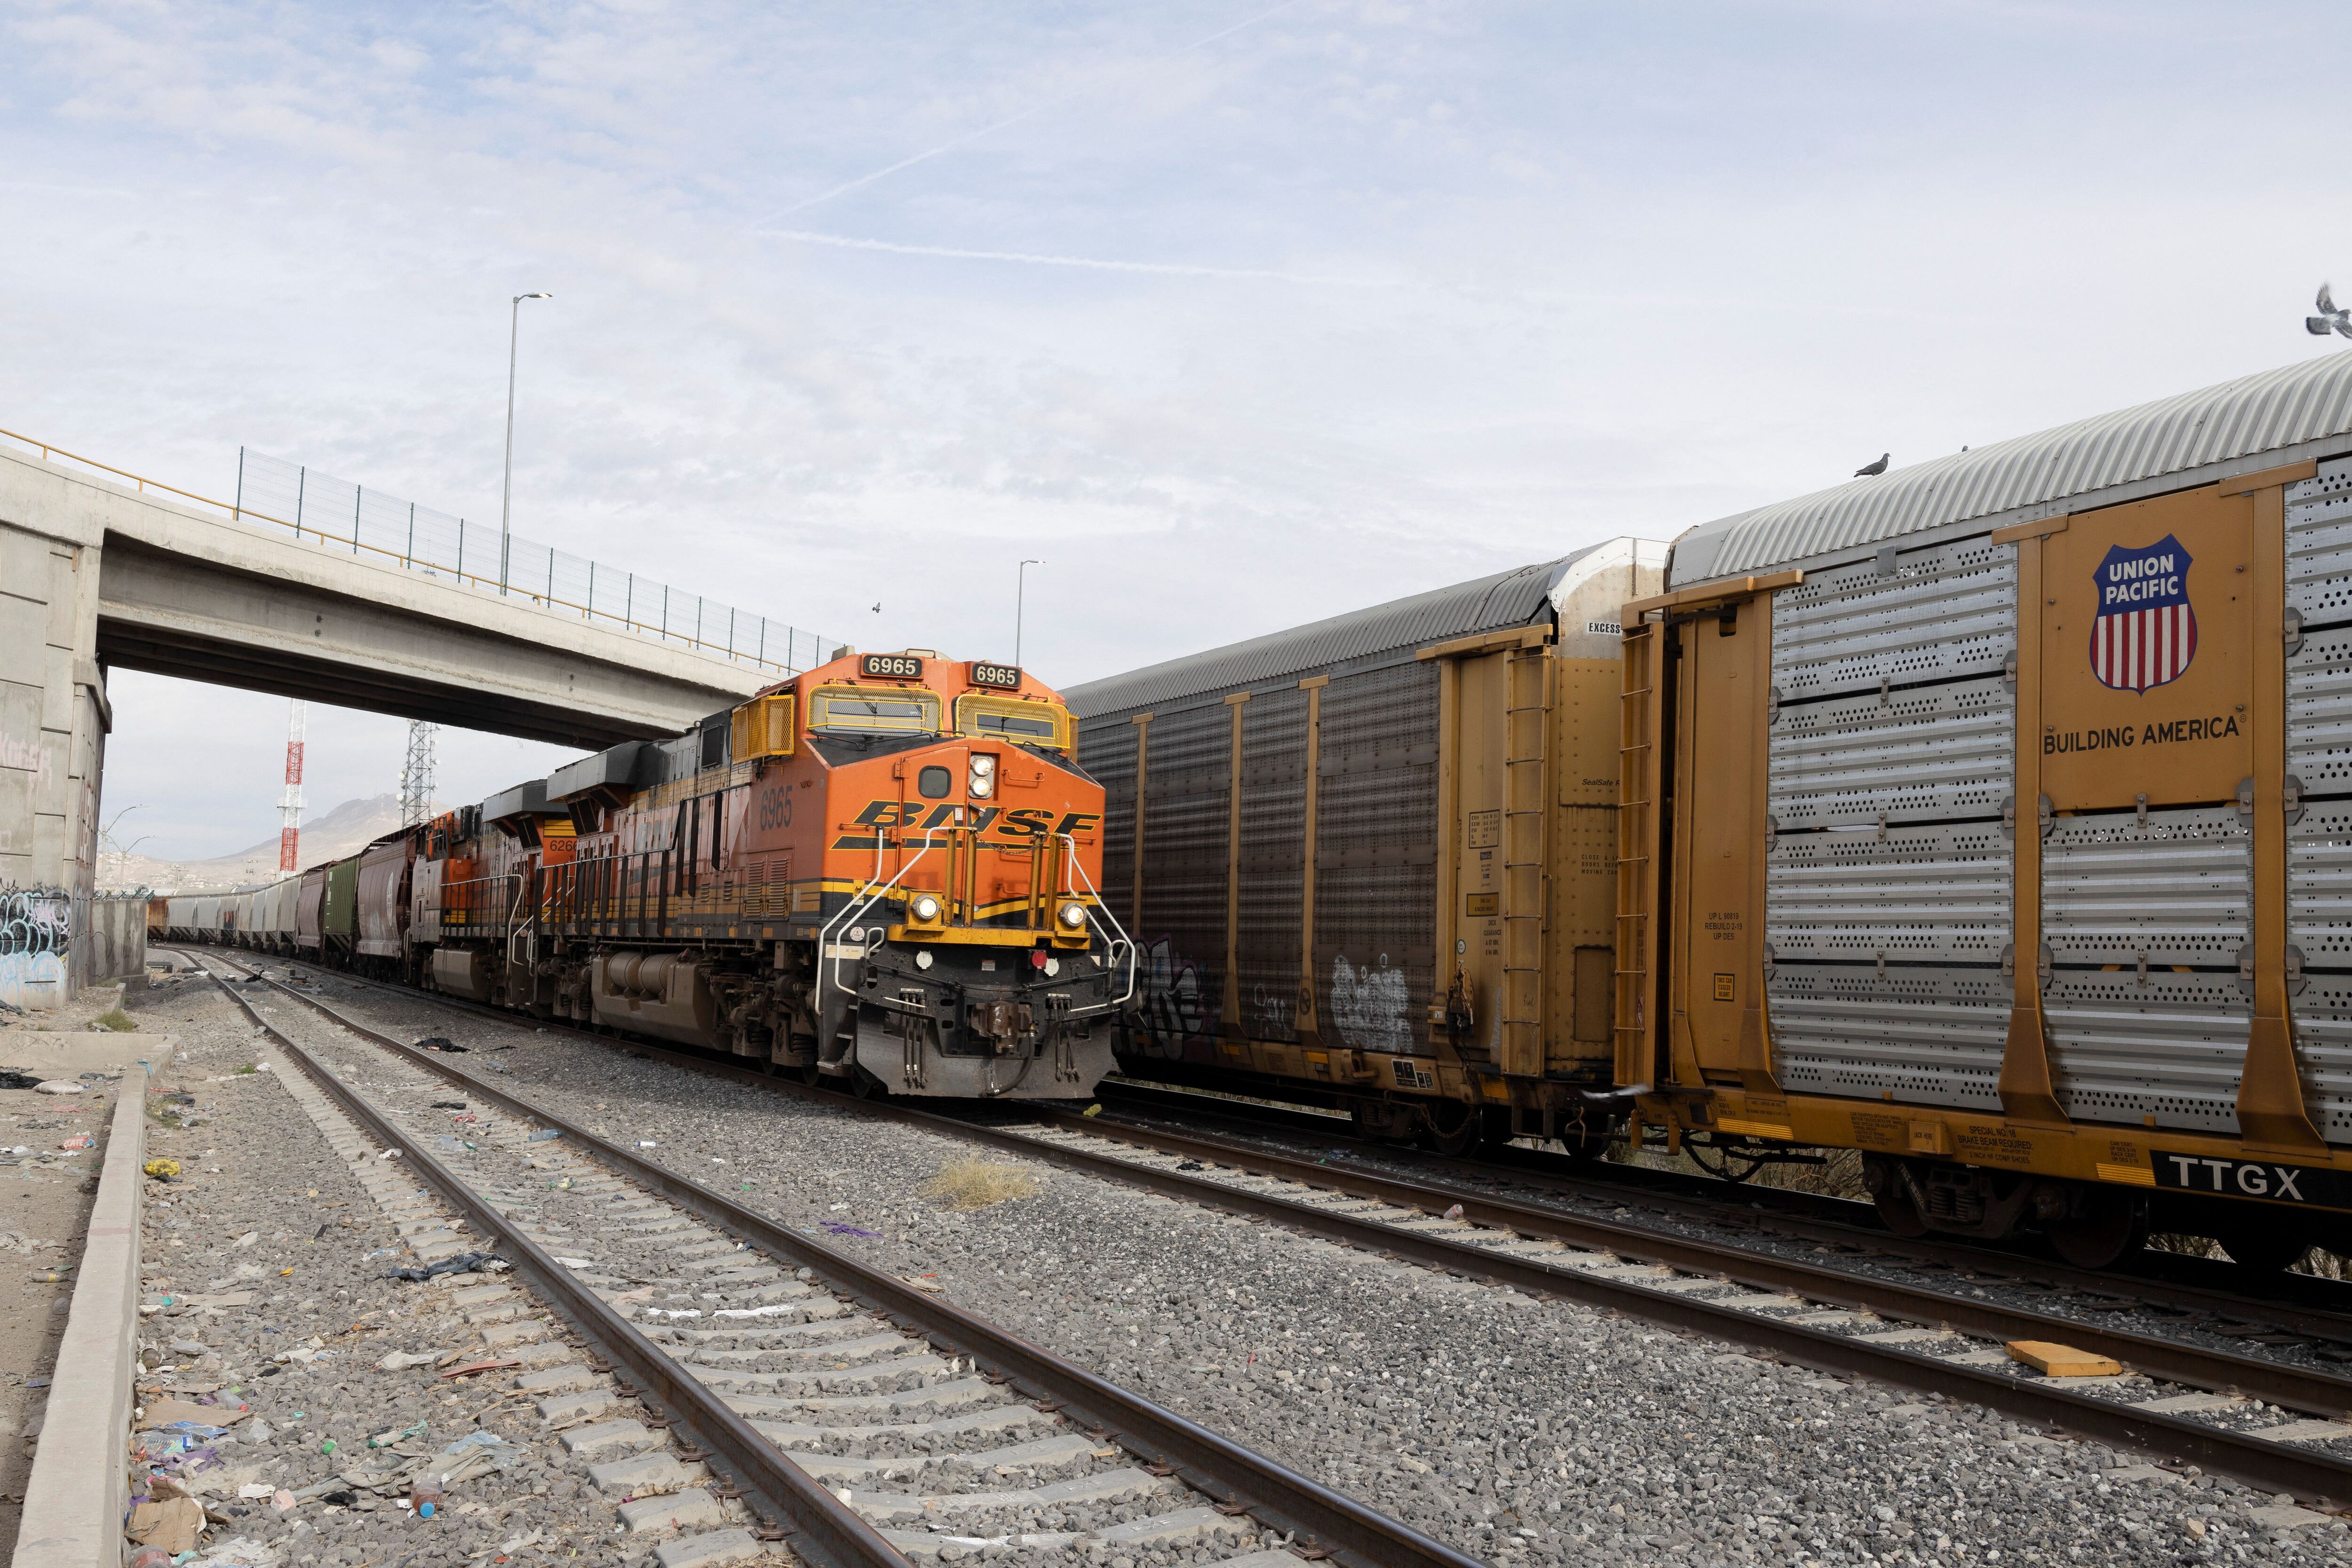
x=1643, y=267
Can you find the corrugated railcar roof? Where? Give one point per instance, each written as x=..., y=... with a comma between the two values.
x=2240, y=419
x=1506, y=599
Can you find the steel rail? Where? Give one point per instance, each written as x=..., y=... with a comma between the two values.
x=1798, y=1216
x=1319, y=1517
x=819, y=1525
x=2241, y=1454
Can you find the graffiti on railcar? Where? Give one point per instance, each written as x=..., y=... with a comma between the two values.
x=35, y=934
x=1368, y=1006
x=1174, y=1012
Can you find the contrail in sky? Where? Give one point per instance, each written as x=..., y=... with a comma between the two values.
x=1166, y=268
x=1015, y=120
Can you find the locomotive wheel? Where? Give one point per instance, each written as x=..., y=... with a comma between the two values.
x=1438, y=1138
x=865, y=1086
x=2106, y=1227
x=2265, y=1249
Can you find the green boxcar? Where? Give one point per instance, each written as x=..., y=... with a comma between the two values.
x=339, y=920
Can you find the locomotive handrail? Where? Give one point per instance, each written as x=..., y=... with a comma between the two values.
x=515, y=928
x=1119, y=937
x=866, y=898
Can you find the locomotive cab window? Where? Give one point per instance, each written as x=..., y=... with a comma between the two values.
x=933, y=783
x=852, y=710
x=1005, y=719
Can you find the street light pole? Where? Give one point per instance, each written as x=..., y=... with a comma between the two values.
x=506, y=487
x=1020, y=598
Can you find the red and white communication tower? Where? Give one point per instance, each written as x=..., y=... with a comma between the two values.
x=289, y=805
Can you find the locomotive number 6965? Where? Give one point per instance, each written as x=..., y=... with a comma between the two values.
x=891, y=667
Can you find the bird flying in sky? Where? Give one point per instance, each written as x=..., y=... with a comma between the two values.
x=2330, y=318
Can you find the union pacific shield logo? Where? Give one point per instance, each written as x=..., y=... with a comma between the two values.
x=2146, y=632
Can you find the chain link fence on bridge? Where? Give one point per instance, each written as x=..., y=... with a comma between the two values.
x=340, y=514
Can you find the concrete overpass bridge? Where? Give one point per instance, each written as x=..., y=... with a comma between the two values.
x=100, y=572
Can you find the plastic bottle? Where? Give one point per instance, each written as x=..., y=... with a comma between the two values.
x=424, y=1493
x=152, y=1557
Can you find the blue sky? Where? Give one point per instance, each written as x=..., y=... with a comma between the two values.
x=1237, y=315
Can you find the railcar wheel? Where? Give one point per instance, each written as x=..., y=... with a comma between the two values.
x=2105, y=1226
x=2265, y=1249
x=1898, y=1209
x=1439, y=1138
x=865, y=1086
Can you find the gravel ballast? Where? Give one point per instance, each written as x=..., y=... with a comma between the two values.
x=1516, y=1430
x=303, y=1385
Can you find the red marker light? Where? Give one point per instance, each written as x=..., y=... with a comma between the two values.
x=1036, y=958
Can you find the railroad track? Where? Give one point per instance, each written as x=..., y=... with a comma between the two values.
x=2278, y=1426
x=2297, y=1312
x=843, y=1404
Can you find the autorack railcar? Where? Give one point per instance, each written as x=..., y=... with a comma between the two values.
x=1994, y=817
x=1371, y=860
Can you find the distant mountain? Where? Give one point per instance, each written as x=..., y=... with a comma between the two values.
x=342, y=832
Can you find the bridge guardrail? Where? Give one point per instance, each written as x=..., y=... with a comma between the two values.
x=341, y=515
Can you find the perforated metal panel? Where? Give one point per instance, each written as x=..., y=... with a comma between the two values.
x=2319, y=927
x=1187, y=822
x=2145, y=923
x=1932, y=895
x=2319, y=761
x=1946, y=611
x=1887, y=897
x=1376, y=857
x=1106, y=750
x=1923, y=753
x=1930, y=1036
x=1273, y=861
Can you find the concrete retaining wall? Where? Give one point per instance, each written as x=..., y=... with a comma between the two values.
x=79, y=1489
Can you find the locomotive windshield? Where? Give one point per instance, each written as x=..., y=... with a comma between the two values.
x=853, y=710
x=1002, y=718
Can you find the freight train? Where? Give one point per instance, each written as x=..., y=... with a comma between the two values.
x=880, y=874
x=1991, y=817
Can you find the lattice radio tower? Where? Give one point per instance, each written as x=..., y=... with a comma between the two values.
x=416, y=774
x=289, y=805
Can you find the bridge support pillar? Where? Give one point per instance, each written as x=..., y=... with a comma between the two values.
x=54, y=717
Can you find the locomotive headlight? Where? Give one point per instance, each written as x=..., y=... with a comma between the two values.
x=982, y=781
x=1073, y=916
x=925, y=909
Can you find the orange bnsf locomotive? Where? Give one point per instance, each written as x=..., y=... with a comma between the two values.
x=880, y=874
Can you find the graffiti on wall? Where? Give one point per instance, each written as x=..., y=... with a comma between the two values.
x=28, y=756
x=36, y=935
x=1368, y=1005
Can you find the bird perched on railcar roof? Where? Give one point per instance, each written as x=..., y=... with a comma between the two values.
x=1867, y=469
x=2331, y=317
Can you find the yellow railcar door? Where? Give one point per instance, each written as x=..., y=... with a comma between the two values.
x=1716, y=920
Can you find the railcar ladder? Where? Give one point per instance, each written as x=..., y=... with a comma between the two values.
x=1526, y=730
x=1635, y=835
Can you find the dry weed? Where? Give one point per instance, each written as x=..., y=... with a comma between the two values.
x=969, y=1183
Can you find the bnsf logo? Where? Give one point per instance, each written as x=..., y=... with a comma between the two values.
x=912, y=818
